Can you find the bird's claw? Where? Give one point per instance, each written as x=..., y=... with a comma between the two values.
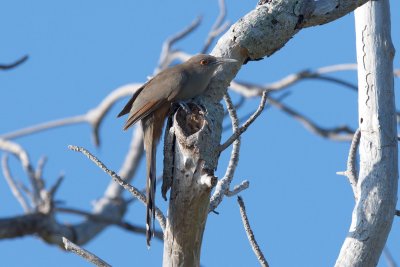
x=187, y=109
x=200, y=107
x=184, y=106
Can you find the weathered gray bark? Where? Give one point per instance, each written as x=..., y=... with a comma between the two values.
x=190, y=192
x=376, y=191
x=260, y=33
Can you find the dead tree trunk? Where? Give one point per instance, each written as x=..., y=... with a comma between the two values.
x=194, y=160
x=260, y=33
x=376, y=190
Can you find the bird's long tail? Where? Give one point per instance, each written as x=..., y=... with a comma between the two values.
x=152, y=129
x=150, y=147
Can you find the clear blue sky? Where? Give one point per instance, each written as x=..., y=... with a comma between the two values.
x=300, y=210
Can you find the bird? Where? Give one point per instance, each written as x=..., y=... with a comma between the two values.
x=152, y=103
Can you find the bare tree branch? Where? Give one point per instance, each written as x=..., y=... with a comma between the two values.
x=166, y=52
x=44, y=126
x=13, y=186
x=377, y=186
x=35, y=223
x=351, y=171
x=90, y=257
x=178, y=54
x=39, y=172
x=250, y=235
x=133, y=190
x=93, y=117
x=23, y=157
x=246, y=89
x=14, y=64
x=238, y=188
x=223, y=185
x=40, y=218
x=130, y=164
x=237, y=106
x=217, y=28
x=245, y=125
x=120, y=223
x=247, y=116
x=341, y=133
x=252, y=90
x=56, y=185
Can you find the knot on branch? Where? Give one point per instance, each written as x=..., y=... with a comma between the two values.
x=208, y=178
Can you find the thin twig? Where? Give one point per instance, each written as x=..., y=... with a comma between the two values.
x=341, y=133
x=93, y=117
x=250, y=235
x=238, y=188
x=245, y=125
x=338, y=81
x=237, y=106
x=23, y=157
x=69, y=246
x=133, y=199
x=223, y=185
x=130, y=164
x=217, y=27
x=44, y=126
x=13, y=186
x=133, y=190
x=244, y=117
x=22, y=187
x=14, y=64
x=351, y=160
x=166, y=51
x=56, y=185
x=252, y=90
x=98, y=218
x=39, y=172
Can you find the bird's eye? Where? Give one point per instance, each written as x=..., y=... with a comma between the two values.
x=204, y=62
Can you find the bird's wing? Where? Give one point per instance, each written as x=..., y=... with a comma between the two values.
x=180, y=82
x=128, y=105
x=156, y=92
x=140, y=105
x=143, y=111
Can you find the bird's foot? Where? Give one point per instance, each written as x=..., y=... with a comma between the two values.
x=199, y=107
x=184, y=106
x=188, y=109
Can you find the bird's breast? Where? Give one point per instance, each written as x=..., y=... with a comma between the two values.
x=192, y=89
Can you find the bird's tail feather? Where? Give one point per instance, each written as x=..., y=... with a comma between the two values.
x=152, y=129
x=151, y=182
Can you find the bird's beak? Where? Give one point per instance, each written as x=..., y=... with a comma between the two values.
x=222, y=60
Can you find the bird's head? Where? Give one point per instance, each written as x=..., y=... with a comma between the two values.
x=207, y=64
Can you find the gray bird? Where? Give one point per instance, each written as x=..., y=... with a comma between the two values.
x=151, y=104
